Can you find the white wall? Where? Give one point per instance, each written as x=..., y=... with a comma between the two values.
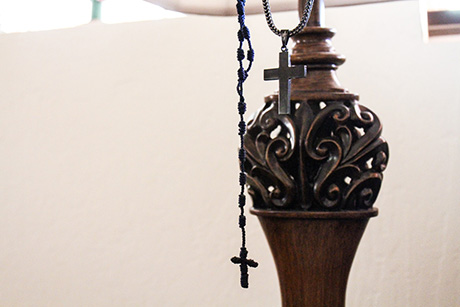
x=119, y=174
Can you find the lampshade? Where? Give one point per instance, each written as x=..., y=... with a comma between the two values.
x=227, y=7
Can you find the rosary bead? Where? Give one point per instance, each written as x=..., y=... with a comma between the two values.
x=240, y=54
x=246, y=33
x=242, y=74
x=242, y=221
x=241, y=200
x=241, y=107
x=240, y=36
x=242, y=154
x=242, y=178
x=251, y=55
x=242, y=126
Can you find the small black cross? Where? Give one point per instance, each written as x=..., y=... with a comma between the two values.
x=244, y=263
x=284, y=74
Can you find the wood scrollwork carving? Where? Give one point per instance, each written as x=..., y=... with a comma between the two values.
x=327, y=155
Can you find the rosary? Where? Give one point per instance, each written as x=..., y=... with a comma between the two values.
x=283, y=74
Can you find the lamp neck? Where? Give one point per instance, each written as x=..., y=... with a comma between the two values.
x=317, y=13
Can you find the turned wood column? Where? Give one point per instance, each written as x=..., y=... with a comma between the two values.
x=313, y=253
x=315, y=174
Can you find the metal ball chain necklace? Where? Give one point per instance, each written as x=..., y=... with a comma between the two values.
x=284, y=74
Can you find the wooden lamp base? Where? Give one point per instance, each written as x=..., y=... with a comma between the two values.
x=313, y=253
x=314, y=174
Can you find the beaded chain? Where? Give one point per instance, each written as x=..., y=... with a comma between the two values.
x=243, y=35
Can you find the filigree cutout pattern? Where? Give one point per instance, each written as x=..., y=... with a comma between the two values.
x=328, y=155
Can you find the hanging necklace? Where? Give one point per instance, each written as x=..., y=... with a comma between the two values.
x=285, y=72
x=243, y=35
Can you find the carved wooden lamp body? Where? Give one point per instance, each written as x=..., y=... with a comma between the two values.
x=314, y=174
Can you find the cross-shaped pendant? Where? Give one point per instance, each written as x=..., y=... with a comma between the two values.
x=284, y=74
x=244, y=263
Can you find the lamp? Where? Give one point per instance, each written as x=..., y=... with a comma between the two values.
x=314, y=173
x=227, y=7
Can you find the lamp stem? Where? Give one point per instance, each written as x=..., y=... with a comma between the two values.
x=317, y=13
x=313, y=219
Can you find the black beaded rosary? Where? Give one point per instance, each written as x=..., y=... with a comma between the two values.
x=243, y=35
x=284, y=74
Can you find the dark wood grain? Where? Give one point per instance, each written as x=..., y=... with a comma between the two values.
x=314, y=174
x=328, y=153
x=313, y=255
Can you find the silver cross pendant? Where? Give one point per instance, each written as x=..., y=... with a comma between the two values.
x=284, y=74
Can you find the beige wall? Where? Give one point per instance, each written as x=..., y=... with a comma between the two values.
x=119, y=174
